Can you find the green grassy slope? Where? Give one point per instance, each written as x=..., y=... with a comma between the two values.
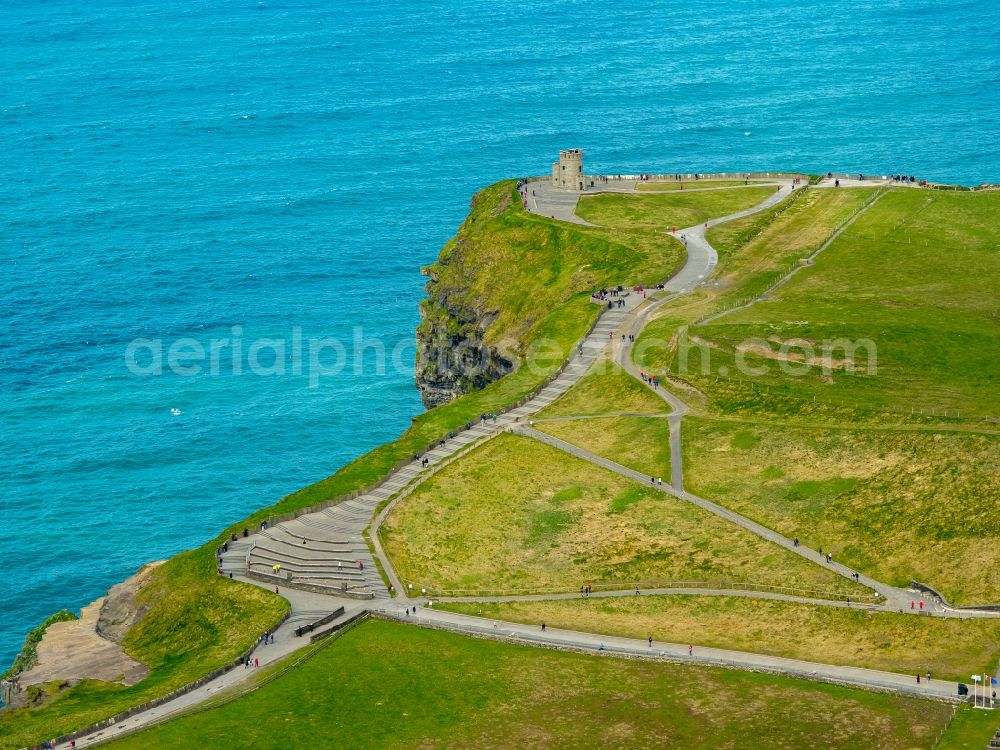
x=605, y=389
x=388, y=685
x=640, y=443
x=198, y=621
x=518, y=267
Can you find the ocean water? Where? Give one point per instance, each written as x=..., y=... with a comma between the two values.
x=244, y=170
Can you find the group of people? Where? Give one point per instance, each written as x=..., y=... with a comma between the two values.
x=605, y=293
x=653, y=380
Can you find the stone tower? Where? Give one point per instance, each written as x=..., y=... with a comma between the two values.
x=567, y=173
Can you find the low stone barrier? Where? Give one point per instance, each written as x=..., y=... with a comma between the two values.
x=940, y=597
x=302, y=630
x=313, y=587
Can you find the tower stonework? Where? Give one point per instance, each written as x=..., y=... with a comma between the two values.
x=567, y=173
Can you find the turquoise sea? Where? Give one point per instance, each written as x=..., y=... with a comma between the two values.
x=177, y=169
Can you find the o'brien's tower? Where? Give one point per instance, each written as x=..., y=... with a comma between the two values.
x=567, y=173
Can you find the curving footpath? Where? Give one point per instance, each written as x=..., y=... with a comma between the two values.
x=330, y=565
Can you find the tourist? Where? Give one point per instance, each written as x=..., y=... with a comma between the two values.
x=650, y=639
x=795, y=542
x=543, y=627
x=690, y=650
x=918, y=678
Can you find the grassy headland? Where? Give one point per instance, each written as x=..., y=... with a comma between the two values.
x=536, y=274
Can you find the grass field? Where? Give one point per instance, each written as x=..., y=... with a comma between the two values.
x=658, y=213
x=950, y=649
x=688, y=184
x=605, y=389
x=640, y=443
x=897, y=505
x=916, y=276
x=388, y=685
x=518, y=515
x=970, y=729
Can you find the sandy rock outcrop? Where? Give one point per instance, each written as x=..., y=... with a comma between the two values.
x=88, y=648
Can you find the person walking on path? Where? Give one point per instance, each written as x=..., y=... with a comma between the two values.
x=690, y=650
x=650, y=639
x=543, y=627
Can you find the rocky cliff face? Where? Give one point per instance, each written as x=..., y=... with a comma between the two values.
x=452, y=357
x=121, y=609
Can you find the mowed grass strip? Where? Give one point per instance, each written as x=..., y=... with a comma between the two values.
x=691, y=184
x=897, y=505
x=751, y=261
x=640, y=443
x=659, y=213
x=912, y=283
x=388, y=685
x=605, y=389
x=516, y=514
x=949, y=648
